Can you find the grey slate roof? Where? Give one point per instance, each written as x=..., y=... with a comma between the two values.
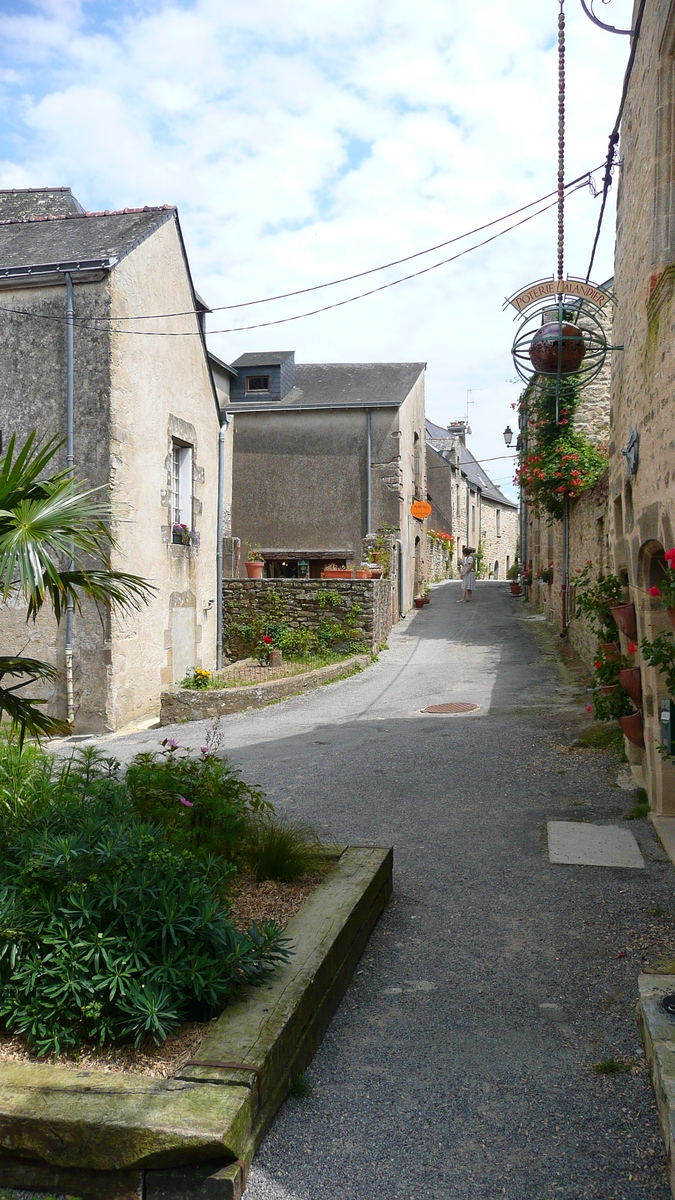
x=41, y=241
x=470, y=467
x=340, y=385
x=17, y=204
x=273, y=358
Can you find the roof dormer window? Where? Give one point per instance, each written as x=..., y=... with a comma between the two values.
x=257, y=383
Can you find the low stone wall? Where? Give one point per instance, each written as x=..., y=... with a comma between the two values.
x=187, y=704
x=305, y=603
x=439, y=566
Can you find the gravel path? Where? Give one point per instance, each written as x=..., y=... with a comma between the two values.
x=460, y=1063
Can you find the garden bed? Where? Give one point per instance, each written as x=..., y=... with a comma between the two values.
x=113, y=1135
x=189, y=704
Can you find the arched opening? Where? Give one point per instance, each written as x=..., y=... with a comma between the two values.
x=651, y=572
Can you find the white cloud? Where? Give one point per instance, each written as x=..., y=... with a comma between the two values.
x=303, y=141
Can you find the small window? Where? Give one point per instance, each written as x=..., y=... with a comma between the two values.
x=473, y=518
x=257, y=383
x=499, y=522
x=181, y=487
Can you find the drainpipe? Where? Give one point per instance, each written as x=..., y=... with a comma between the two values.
x=565, y=563
x=219, y=534
x=70, y=462
x=399, y=572
x=369, y=488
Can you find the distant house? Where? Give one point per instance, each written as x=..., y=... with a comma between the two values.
x=146, y=426
x=324, y=456
x=465, y=501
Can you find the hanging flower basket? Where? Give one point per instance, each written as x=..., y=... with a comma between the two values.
x=632, y=728
x=631, y=680
x=610, y=650
x=624, y=615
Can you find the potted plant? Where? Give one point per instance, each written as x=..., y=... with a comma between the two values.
x=419, y=601
x=333, y=571
x=630, y=679
x=666, y=591
x=426, y=596
x=624, y=615
x=545, y=574
x=363, y=572
x=513, y=575
x=633, y=729
x=255, y=564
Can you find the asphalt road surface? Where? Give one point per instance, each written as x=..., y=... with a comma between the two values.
x=460, y=1065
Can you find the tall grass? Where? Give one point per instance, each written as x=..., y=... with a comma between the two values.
x=277, y=849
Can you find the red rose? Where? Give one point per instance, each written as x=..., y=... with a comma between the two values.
x=654, y=591
x=632, y=649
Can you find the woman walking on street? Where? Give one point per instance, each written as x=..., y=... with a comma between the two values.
x=468, y=574
x=460, y=568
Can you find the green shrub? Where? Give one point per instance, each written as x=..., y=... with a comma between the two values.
x=107, y=930
x=201, y=802
x=277, y=849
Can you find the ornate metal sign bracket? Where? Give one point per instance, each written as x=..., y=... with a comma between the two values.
x=596, y=20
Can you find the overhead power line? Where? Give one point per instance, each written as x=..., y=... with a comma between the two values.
x=313, y=312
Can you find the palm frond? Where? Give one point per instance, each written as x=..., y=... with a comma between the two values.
x=22, y=710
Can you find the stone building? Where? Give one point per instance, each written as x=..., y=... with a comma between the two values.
x=146, y=425
x=324, y=456
x=642, y=430
x=465, y=501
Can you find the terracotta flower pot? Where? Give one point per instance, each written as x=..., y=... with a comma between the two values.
x=670, y=613
x=624, y=615
x=631, y=680
x=376, y=570
x=427, y=599
x=254, y=570
x=515, y=587
x=610, y=650
x=362, y=573
x=608, y=688
x=419, y=601
x=632, y=727
x=547, y=342
x=337, y=573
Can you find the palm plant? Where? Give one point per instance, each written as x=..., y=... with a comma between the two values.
x=55, y=549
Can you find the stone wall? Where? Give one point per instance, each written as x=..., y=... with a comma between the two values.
x=305, y=603
x=439, y=565
x=589, y=539
x=499, y=536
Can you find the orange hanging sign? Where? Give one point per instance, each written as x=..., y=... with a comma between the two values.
x=420, y=509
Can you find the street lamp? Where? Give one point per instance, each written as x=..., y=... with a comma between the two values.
x=508, y=435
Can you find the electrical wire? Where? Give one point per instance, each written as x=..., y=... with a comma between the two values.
x=96, y=322
x=325, y=308
x=614, y=135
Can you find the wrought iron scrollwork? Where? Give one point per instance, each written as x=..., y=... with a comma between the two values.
x=588, y=9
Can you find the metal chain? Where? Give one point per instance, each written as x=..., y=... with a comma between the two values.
x=561, y=138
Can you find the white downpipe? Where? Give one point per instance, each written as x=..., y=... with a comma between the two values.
x=70, y=463
x=219, y=535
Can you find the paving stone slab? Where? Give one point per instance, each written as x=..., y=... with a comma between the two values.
x=583, y=844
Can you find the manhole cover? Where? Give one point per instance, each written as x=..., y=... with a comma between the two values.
x=450, y=708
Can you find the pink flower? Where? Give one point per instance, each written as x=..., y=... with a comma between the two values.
x=654, y=591
x=187, y=803
x=589, y=708
x=204, y=749
x=171, y=744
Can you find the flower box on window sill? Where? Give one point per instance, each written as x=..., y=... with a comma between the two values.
x=182, y=536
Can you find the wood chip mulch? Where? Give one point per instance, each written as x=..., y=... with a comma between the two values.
x=249, y=901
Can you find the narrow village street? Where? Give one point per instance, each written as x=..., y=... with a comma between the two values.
x=461, y=1062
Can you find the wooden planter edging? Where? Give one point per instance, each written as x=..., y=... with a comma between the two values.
x=113, y=1136
x=188, y=704
x=658, y=1037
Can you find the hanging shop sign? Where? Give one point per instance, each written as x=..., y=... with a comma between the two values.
x=560, y=287
x=420, y=509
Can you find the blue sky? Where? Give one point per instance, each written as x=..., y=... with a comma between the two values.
x=305, y=140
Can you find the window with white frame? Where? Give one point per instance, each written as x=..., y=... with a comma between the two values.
x=181, y=485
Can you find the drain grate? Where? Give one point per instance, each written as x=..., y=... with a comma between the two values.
x=451, y=708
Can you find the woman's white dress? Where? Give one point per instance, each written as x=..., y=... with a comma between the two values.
x=470, y=577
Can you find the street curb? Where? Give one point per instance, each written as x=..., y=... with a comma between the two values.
x=119, y=1136
x=186, y=704
x=658, y=1037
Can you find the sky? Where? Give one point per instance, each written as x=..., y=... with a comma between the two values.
x=304, y=141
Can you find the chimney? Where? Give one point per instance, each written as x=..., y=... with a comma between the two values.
x=459, y=429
